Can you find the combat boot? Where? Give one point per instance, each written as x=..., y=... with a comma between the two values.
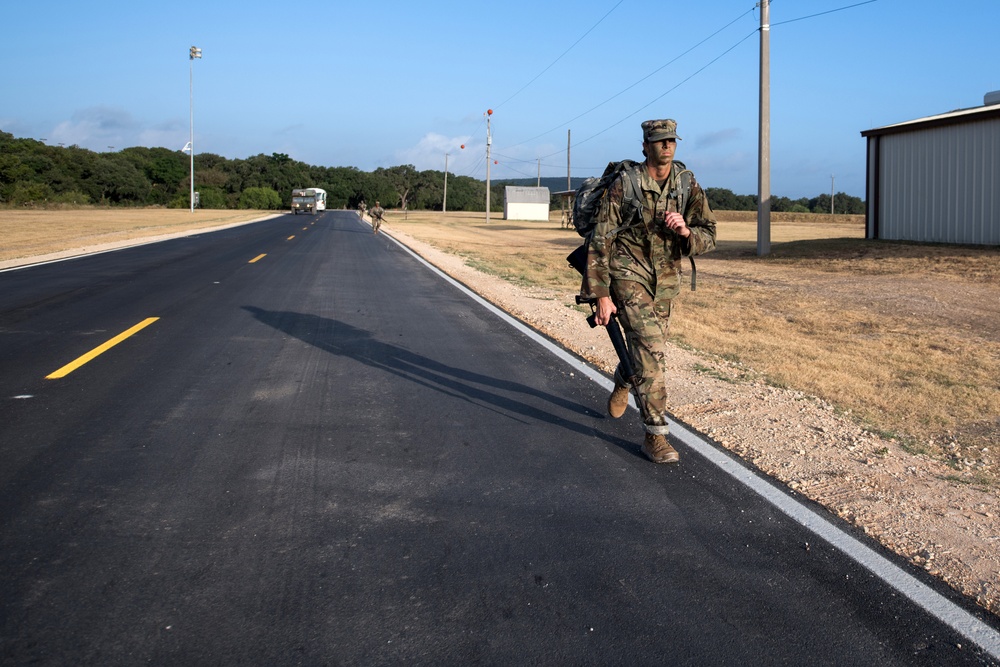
x=618, y=401
x=658, y=450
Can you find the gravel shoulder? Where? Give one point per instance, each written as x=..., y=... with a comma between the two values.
x=908, y=502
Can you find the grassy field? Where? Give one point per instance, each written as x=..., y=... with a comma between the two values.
x=904, y=337
x=34, y=232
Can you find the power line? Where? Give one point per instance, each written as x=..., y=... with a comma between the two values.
x=661, y=96
x=713, y=61
x=561, y=55
x=831, y=11
x=630, y=87
x=644, y=78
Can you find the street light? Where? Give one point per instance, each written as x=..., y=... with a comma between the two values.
x=444, y=203
x=194, y=53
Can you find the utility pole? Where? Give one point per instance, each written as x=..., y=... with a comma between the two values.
x=539, y=172
x=444, y=202
x=764, y=143
x=569, y=180
x=831, y=194
x=195, y=52
x=489, y=143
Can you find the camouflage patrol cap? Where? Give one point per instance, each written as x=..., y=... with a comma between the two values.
x=657, y=130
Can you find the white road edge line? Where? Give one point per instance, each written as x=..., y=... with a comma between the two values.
x=922, y=595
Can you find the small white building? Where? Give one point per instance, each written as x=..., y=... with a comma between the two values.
x=936, y=179
x=524, y=203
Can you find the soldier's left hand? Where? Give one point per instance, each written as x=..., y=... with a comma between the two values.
x=675, y=221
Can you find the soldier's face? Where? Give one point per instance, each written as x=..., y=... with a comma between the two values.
x=661, y=152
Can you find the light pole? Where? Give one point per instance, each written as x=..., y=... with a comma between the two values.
x=194, y=53
x=444, y=203
x=489, y=144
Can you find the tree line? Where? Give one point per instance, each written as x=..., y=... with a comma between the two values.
x=34, y=173
x=722, y=199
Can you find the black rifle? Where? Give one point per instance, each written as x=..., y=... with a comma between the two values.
x=578, y=260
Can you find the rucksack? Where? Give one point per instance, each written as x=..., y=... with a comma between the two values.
x=591, y=192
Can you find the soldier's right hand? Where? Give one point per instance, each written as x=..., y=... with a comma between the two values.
x=605, y=309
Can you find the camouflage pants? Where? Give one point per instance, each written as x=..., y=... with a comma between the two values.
x=646, y=322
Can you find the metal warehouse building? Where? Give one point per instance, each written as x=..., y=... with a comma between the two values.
x=524, y=203
x=936, y=179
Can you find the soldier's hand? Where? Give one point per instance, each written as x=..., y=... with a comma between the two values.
x=605, y=309
x=675, y=221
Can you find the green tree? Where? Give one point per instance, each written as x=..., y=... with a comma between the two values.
x=722, y=199
x=429, y=193
x=401, y=180
x=211, y=197
x=260, y=198
x=117, y=180
x=28, y=192
x=466, y=194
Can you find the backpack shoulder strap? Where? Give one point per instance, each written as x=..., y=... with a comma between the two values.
x=684, y=177
x=683, y=192
x=632, y=199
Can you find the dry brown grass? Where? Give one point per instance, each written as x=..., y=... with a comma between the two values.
x=33, y=232
x=904, y=337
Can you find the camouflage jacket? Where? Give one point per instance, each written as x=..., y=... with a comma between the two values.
x=644, y=251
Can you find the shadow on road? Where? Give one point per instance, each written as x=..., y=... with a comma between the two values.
x=492, y=393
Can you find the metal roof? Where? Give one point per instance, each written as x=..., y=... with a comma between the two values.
x=518, y=194
x=951, y=118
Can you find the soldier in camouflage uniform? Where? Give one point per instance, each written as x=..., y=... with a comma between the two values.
x=377, y=214
x=633, y=269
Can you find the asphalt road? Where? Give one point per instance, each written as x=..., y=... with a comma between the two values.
x=331, y=455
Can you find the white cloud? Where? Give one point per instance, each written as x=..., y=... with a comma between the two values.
x=97, y=128
x=718, y=138
x=170, y=134
x=17, y=128
x=429, y=152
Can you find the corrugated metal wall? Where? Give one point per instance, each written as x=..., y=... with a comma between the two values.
x=939, y=184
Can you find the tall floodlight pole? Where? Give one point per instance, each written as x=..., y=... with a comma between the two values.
x=444, y=202
x=194, y=53
x=764, y=144
x=489, y=144
x=569, y=179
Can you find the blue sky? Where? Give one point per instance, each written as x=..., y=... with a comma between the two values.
x=372, y=83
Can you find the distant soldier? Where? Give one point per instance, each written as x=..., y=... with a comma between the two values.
x=377, y=214
x=362, y=207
